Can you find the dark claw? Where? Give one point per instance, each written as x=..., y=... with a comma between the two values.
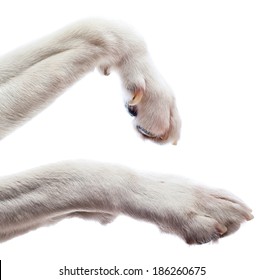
x=132, y=110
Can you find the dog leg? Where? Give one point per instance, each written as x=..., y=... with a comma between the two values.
x=32, y=77
x=48, y=194
x=35, y=75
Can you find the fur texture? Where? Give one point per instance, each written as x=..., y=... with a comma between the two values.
x=35, y=75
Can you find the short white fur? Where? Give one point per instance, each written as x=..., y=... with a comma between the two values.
x=32, y=77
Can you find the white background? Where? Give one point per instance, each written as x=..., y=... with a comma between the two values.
x=211, y=54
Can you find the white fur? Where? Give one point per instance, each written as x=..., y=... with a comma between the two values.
x=35, y=75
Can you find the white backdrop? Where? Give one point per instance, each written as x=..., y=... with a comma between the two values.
x=211, y=54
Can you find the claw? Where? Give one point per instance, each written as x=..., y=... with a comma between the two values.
x=221, y=229
x=249, y=217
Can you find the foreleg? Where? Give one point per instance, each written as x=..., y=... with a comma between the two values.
x=48, y=194
x=35, y=75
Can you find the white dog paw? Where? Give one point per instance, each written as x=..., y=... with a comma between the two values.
x=206, y=215
x=153, y=101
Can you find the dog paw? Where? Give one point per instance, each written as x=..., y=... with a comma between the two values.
x=157, y=117
x=205, y=215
